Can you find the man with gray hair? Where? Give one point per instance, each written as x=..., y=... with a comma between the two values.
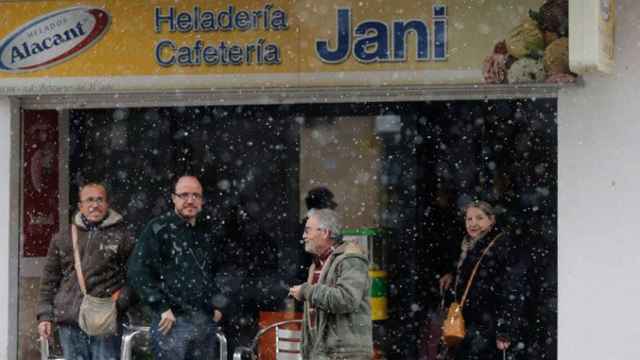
x=337, y=314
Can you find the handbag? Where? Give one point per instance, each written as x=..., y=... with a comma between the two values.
x=453, y=328
x=97, y=316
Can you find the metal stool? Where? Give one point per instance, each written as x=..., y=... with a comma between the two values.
x=287, y=342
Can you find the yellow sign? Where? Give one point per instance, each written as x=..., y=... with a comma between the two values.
x=141, y=45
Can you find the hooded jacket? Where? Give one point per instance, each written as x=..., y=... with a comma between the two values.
x=341, y=299
x=104, y=251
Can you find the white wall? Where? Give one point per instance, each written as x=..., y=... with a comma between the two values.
x=599, y=204
x=8, y=230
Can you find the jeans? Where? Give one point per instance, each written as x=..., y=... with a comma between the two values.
x=77, y=345
x=192, y=337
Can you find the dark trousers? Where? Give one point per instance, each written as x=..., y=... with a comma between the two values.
x=192, y=337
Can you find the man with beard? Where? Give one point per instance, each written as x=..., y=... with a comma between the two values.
x=173, y=267
x=104, y=245
x=337, y=315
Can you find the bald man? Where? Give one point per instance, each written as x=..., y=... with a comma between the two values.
x=173, y=268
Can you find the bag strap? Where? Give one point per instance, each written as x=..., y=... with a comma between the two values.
x=76, y=259
x=475, y=269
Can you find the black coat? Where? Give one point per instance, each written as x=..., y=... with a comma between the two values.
x=495, y=302
x=174, y=264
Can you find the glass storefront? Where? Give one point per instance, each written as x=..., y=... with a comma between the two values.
x=406, y=168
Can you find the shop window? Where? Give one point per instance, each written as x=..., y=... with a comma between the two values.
x=401, y=169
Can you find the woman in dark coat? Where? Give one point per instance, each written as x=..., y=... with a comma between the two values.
x=494, y=304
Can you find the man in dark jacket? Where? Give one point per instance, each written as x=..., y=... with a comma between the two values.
x=337, y=315
x=173, y=268
x=104, y=245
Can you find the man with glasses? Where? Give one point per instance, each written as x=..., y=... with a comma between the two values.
x=104, y=245
x=173, y=268
x=337, y=314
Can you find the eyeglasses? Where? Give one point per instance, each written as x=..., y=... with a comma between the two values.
x=95, y=200
x=186, y=196
x=308, y=229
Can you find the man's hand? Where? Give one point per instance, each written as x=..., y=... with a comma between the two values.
x=166, y=322
x=296, y=292
x=217, y=316
x=502, y=343
x=44, y=329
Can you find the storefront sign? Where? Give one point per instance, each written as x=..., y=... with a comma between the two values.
x=106, y=46
x=52, y=39
x=259, y=51
x=376, y=41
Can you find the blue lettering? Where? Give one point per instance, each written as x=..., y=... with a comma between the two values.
x=184, y=56
x=16, y=55
x=169, y=19
x=371, y=47
x=197, y=51
x=210, y=55
x=440, y=32
x=184, y=22
x=225, y=19
x=70, y=34
x=377, y=41
x=79, y=27
x=163, y=46
x=57, y=39
x=267, y=12
x=400, y=30
x=279, y=20
x=271, y=55
x=343, y=47
x=242, y=20
x=46, y=43
x=235, y=55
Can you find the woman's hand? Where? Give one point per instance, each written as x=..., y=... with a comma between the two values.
x=445, y=281
x=503, y=343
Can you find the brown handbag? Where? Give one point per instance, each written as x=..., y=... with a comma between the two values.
x=453, y=328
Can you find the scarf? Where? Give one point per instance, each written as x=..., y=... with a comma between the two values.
x=319, y=263
x=90, y=225
x=467, y=245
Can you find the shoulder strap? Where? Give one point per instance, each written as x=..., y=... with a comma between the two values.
x=475, y=269
x=76, y=258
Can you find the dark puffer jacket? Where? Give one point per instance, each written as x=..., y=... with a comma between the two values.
x=104, y=252
x=495, y=302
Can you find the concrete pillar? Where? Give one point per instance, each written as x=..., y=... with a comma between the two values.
x=598, y=202
x=9, y=225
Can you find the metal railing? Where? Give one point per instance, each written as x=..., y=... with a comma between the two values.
x=44, y=350
x=251, y=349
x=129, y=333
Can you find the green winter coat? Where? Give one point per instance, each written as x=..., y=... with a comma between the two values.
x=341, y=298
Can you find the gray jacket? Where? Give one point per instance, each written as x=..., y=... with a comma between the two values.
x=341, y=298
